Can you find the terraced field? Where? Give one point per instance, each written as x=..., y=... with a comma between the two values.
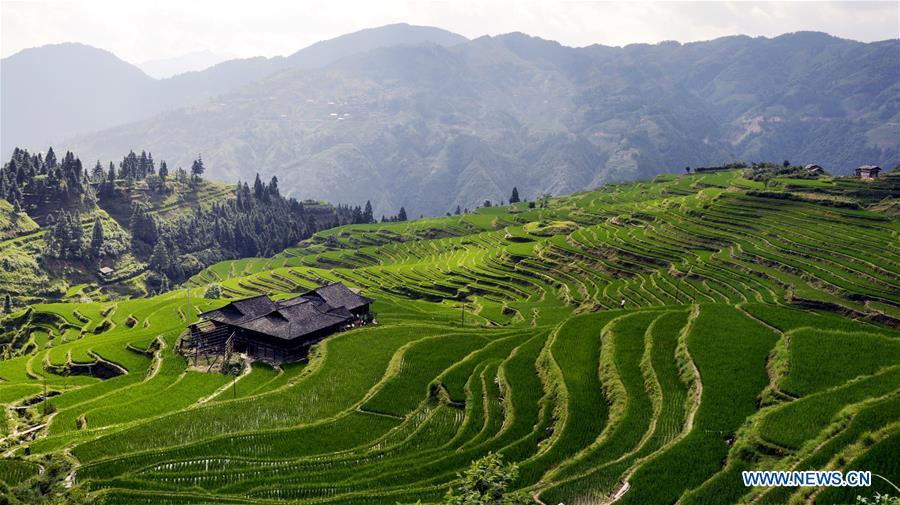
x=759, y=331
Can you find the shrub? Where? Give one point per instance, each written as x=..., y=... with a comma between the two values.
x=214, y=291
x=485, y=483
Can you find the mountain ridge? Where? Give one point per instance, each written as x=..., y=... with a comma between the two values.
x=432, y=127
x=121, y=99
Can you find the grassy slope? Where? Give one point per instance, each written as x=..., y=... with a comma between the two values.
x=752, y=337
x=21, y=244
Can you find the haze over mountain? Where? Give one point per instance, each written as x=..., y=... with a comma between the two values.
x=433, y=126
x=192, y=62
x=84, y=89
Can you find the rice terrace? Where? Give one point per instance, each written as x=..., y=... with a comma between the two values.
x=641, y=343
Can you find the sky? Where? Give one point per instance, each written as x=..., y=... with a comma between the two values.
x=141, y=30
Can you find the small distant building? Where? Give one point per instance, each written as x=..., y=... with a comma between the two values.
x=814, y=169
x=279, y=331
x=868, y=172
x=106, y=272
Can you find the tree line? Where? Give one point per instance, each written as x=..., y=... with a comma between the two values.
x=257, y=221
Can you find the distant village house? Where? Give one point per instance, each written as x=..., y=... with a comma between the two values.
x=814, y=169
x=279, y=331
x=868, y=172
x=106, y=272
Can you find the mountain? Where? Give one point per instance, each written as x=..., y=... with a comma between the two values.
x=168, y=67
x=433, y=127
x=55, y=91
x=86, y=89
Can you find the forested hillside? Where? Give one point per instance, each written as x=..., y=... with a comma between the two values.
x=643, y=342
x=432, y=127
x=86, y=89
x=152, y=226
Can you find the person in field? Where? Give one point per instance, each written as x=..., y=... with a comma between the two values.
x=622, y=304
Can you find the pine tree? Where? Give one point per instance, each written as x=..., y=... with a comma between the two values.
x=98, y=175
x=76, y=244
x=273, y=186
x=163, y=171
x=258, y=188
x=367, y=213
x=197, y=168
x=50, y=159
x=401, y=216
x=96, y=239
x=458, y=210
x=514, y=198
x=159, y=260
x=111, y=174
x=142, y=166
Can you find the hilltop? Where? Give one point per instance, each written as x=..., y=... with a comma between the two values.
x=86, y=88
x=72, y=233
x=760, y=330
x=430, y=127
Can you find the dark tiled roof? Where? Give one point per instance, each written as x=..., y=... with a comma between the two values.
x=338, y=295
x=292, y=301
x=341, y=311
x=294, y=321
x=291, y=318
x=242, y=310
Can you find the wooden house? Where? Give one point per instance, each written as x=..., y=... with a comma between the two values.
x=278, y=331
x=868, y=172
x=814, y=169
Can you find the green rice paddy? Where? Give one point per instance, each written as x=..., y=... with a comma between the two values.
x=757, y=333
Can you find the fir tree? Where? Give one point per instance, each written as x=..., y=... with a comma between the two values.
x=159, y=260
x=401, y=216
x=98, y=175
x=50, y=159
x=258, y=188
x=76, y=246
x=367, y=213
x=163, y=171
x=514, y=198
x=96, y=239
x=197, y=168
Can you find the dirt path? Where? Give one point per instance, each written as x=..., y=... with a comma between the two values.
x=245, y=372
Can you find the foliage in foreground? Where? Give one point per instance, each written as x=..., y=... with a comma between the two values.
x=487, y=482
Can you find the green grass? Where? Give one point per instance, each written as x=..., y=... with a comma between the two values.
x=758, y=332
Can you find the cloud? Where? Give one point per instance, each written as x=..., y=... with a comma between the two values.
x=140, y=30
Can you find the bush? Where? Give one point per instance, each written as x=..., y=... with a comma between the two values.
x=485, y=483
x=213, y=292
